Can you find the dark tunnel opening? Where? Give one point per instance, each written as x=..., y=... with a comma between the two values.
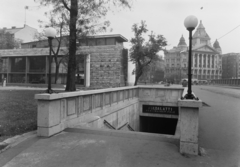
x=158, y=125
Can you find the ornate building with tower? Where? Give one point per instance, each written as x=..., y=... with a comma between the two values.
x=206, y=59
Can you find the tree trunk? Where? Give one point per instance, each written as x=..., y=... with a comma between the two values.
x=72, y=47
x=57, y=71
x=138, y=75
x=136, y=80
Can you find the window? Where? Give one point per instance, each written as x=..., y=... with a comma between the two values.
x=101, y=41
x=37, y=64
x=110, y=41
x=91, y=42
x=18, y=64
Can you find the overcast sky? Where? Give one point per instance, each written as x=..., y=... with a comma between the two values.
x=163, y=17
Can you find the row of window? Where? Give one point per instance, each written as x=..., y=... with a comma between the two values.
x=168, y=60
x=195, y=71
x=32, y=64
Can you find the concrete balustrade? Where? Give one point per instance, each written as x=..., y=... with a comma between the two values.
x=117, y=106
x=57, y=112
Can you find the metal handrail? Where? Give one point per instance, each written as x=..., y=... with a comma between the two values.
x=122, y=126
x=130, y=128
x=109, y=125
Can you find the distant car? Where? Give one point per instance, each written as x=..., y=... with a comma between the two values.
x=203, y=82
x=195, y=81
x=161, y=82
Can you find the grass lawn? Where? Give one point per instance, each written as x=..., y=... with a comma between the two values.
x=18, y=112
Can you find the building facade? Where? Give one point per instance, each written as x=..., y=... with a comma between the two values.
x=230, y=66
x=101, y=63
x=176, y=62
x=206, y=59
x=26, y=33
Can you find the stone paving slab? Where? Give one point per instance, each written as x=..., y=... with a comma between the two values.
x=76, y=149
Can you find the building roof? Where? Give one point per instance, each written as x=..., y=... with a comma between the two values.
x=176, y=49
x=182, y=47
x=119, y=38
x=200, y=32
x=182, y=42
x=13, y=30
x=216, y=44
x=29, y=52
x=204, y=45
x=231, y=54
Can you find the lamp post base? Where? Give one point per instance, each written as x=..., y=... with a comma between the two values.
x=50, y=91
x=190, y=96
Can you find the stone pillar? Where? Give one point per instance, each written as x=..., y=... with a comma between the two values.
x=49, y=116
x=26, y=70
x=198, y=61
x=193, y=61
x=213, y=63
x=189, y=126
x=197, y=57
x=87, y=71
x=207, y=57
x=210, y=60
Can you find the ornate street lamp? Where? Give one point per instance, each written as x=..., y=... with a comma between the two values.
x=190, y=23
x=50, y=33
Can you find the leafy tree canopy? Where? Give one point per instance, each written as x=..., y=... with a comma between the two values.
x=143, y=53
x=7, y=40
x=90, y=14
x=82, y=17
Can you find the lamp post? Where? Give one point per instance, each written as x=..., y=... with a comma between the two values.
x=190, y=23
x=50, y=33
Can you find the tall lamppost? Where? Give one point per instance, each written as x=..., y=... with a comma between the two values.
x=50, y=33
x=190, y=23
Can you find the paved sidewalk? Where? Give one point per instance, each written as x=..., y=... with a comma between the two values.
x=87, y=148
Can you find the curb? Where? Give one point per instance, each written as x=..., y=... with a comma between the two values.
x=13, y=141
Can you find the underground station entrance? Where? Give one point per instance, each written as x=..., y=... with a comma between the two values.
x=159, y=119
x=158, y=125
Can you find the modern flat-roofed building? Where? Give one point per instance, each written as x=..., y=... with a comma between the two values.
x=101, y=60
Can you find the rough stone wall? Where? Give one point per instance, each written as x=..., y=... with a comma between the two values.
x=105, y=65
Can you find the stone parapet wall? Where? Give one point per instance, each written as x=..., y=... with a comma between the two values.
x=57, y=112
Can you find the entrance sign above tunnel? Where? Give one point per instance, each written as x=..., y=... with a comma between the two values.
x=160, y=109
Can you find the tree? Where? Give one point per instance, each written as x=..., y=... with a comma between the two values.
x=7, y=40
x=83, y=17
x=124, y=63
x=142, y=53
x=176, y=76
x=60, y=25
x=158, y=70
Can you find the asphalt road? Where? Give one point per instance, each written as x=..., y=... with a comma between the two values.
x=220, y=122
